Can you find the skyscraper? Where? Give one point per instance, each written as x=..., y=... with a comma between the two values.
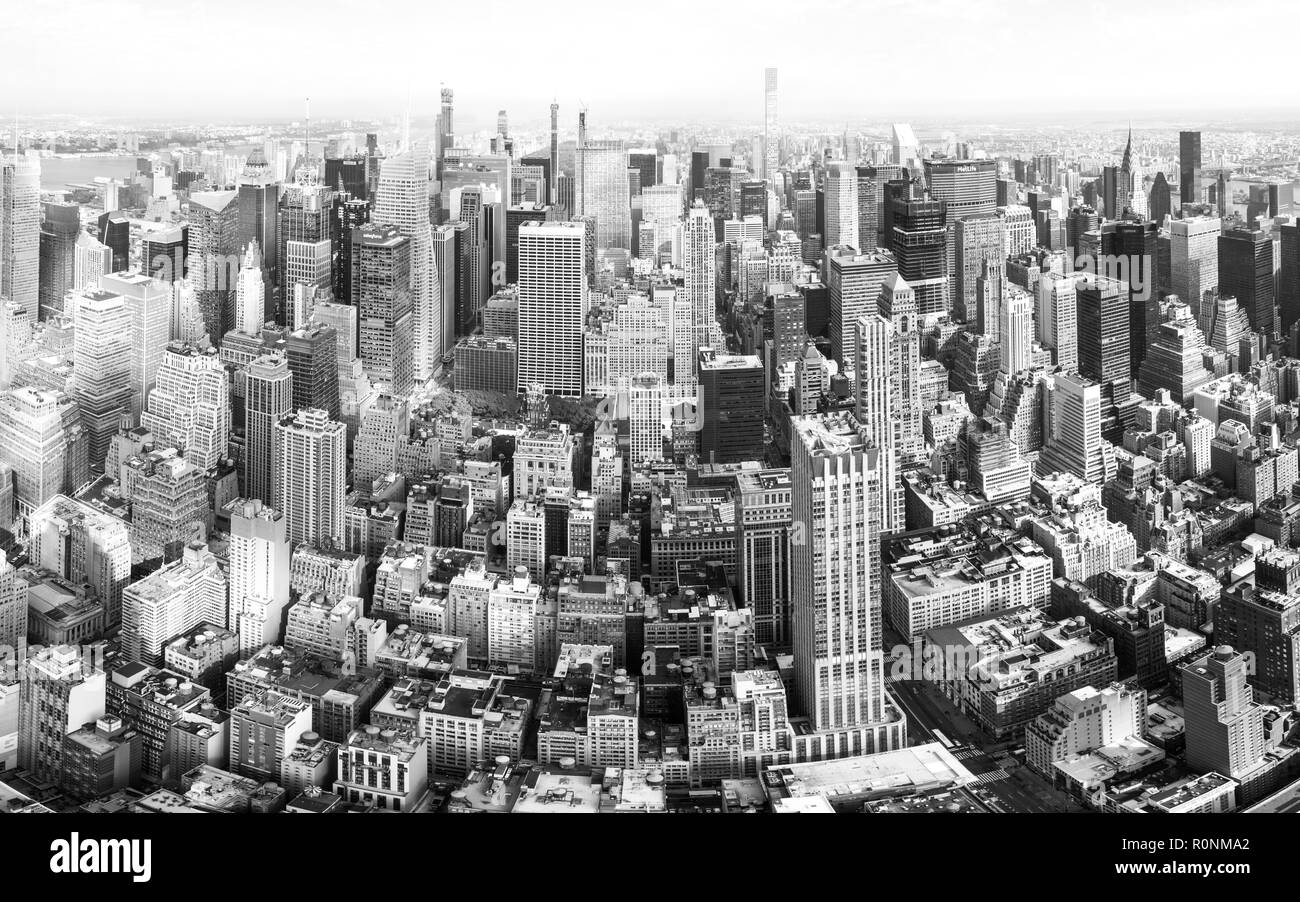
x=149, y=303
x=259, y=572
x=1189, y=167
x=553, y=177
x=854, y=283
x=1103, y=313
x=60, y=225
x=835, y=575
x=33, y=441
x=214, y=257
x=841, y=205
x=771, y=136
x=312, y=353
x=101, y=370
x=305, y=216
x=552, y=306
x=268, y=400
x=918, y=239
x=20, y=230
x=732, y=392
x=1159, y=202
x=84, y=545
x=1246, y=273
x=874, y=409
x=602, y=192
x=1016, y=331
x=311, y=476
x=1072, y=433
x=13, y=605
x=382, y=293
x=1288, y=277
x=170, y=602
x=1194, y=261
x=1225, y=726
x=403, y=201
x=699, y=267
x=898, y=305
x=967, y=188
x=978, y=239
x=189, y=408
x=258, y=206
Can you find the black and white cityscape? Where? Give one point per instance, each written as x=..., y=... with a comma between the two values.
x=459, y=444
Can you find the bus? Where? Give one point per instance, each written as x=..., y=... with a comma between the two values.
x=947, y=743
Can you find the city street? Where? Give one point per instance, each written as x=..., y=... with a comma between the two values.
x=1005, y=784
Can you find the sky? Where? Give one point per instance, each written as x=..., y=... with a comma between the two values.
x=678, y=60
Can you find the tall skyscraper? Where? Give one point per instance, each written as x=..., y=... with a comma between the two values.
x=101, y=370
x=20, y=230
x=918, y=239
x=259, y=573
x=60, y=225
x=854, y=283
x=1072, y=431
x=602, y=192
x=446, y=127
x=91, y=259
x=149, y=303
x=841, y=205
x=268, y=400
x=34, y=442
x=732, y=392
x=898, y=305
x=311, y=476
x=305, y=217
x=1016, y=331
x=771, y=135
x=258, y=211
x=189, y=408
x=312, y=353
x=403, y=201
x=553, y=177
x=1189, y=167
x=874, y=408
x=552, y=306
x=1194, y=262
x=977, y=239
x=382, y=293
x=1103, y=316
x=835, y=575
x=214, y=259
x=699, y=265
x=1159, y=205
x=1288, y=277
x=1246, y=273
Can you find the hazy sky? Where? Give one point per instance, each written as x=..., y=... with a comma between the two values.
x=680, y=59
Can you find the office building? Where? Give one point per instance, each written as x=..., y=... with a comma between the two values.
x=836, y=608
x=733, y=393
x=552, y=306
x=189, y=409
x=310, y=475
x=403, y=201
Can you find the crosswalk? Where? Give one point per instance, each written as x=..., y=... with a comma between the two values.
x=992, y=776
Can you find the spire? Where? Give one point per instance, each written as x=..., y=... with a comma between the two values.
x=1128, y=150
